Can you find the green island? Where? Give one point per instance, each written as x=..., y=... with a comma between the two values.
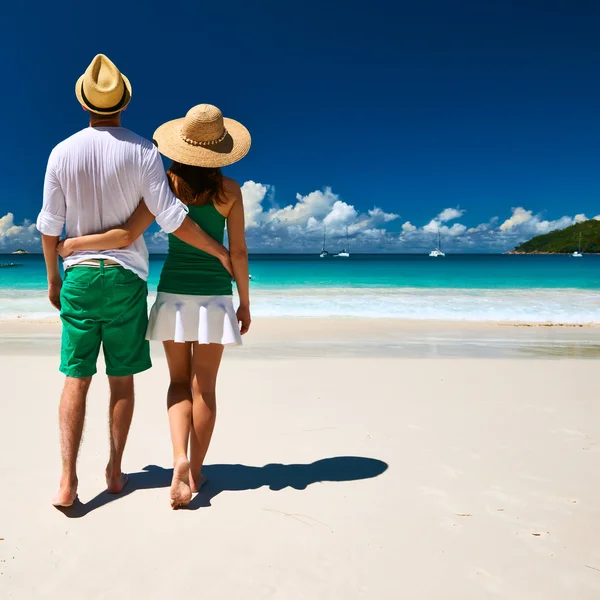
x=564, y=241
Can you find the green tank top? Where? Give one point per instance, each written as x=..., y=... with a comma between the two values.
x=188, y=270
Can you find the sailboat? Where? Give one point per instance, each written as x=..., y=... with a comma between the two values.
x=345, y=253
x=437, y=252
x=324, y=252
x=578, y=253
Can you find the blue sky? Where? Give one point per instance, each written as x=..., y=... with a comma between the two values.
x=389, y=118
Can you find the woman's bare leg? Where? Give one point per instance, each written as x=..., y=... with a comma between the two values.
x=179, y=407
x=205, y=367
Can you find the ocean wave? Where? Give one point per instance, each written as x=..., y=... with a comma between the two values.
x=533, y=305
x=572, y=306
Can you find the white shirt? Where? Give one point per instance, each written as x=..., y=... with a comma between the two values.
x=94, y=182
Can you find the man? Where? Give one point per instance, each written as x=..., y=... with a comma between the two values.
x=94, y=181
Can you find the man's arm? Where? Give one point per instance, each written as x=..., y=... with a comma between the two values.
x=49, y=243
x=171, y=213
x=190, y=233
x=142, y=218
x=50, y=223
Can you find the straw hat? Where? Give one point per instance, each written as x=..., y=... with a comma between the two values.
x=103, y=89
x=203, y=138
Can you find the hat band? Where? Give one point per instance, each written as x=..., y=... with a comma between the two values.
x=114, y=108
x=187, y=140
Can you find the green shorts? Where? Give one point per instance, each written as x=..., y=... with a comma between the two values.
x=108, y=306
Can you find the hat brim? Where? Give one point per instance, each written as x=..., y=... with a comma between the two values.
x=234, y=146
x=78, y=88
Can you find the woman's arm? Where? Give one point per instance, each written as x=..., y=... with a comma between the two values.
x=239, y=254
x=119, y=237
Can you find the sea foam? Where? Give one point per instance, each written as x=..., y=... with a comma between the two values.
x=570, y=306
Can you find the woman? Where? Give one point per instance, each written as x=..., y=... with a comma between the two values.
x=193, y=314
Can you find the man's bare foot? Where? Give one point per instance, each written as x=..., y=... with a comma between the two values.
x=181, y=494
x=67, y=494
x=115, y=481
x=196, y=483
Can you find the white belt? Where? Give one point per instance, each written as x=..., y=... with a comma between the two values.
x=96, y=263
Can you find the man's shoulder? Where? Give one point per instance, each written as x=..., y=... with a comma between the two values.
x=130, y=136
x=67, y=143
x=145, y=150
x=90, y=136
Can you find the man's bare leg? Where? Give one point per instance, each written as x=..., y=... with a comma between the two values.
x=120, y=415
x=71, y=419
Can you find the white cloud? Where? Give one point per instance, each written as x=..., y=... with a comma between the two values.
x=317, y=204
x=519, y=216
x=253, y=195
x=379, y=216
x=13, y=236
x=480, y=228
x=523, y=224
x=157, y=242
x=433, y=226
x=454, y=231
x=449, y=214
x=299, y=226
x=341, y=214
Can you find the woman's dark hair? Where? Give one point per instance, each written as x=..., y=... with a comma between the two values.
x=196, y=185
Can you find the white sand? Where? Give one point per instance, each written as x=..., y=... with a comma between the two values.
x=492, y=488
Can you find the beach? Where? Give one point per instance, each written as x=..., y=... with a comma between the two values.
x=353, y=458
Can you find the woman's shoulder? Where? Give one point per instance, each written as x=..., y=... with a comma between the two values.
x=231, y=194
x=231, y=187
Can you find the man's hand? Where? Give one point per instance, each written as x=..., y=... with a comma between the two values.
x=243, y=317
x=54, y=288
x=226, y=262
x=64, y=248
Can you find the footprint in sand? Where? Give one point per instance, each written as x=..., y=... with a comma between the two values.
x=451, y=471
x=436, y=496
x=489, y=582
x=500, y=498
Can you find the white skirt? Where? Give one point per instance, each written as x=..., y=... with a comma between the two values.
x=187, y=318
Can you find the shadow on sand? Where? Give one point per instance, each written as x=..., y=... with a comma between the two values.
x=239, y=478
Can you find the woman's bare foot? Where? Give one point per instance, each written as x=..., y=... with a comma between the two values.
x=181, y=494
x=115, y=482
x=196, y=483
x=67, y=494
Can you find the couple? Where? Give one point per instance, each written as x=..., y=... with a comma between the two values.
x=107, y=185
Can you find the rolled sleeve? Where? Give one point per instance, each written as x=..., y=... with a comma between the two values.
x=49, y=224
x=52, y=217
x=171, y=218
x=160, y=200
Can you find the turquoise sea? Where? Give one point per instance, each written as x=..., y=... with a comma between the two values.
x=557, y=289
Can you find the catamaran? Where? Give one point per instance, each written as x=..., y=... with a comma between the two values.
x=345, y=253
x=324, y=252
x=578, y=253
x=437, y=252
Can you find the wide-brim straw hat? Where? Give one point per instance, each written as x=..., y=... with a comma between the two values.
x=203, y=138
x=103, y=89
